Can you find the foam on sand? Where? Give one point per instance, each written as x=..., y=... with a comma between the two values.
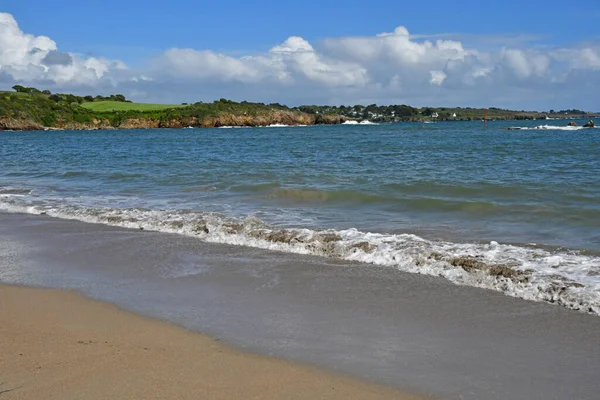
x=566, y=278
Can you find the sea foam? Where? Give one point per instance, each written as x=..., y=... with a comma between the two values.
x=365, y=122
x=566, y=278
x=549, y=128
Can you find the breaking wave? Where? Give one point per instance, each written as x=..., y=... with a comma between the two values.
x=263, y=126
x=567, y=278
x=365, y=122
x=548, y=128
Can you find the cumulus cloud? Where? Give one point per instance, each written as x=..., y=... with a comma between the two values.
x=390, y=67
x=27, y=58
x=399, y=67
x=54, y=57
x=292, y=61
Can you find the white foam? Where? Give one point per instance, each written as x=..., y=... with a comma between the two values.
x=265, y=126
x=569, y=279
x=549, y=127
x=364, y=122
x=277, y=126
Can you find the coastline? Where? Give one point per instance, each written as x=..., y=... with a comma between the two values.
x=416, y=333
x=236, y=121
x=60, y=344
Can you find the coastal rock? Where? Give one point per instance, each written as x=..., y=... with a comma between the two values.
x=139, y=123
x=572, y=123
x=10, y=124
x=276, y=117
x=590, y=124
x=175, y=123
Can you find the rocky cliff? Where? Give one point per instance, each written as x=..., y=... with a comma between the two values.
x=282, y=117
x=18, y=124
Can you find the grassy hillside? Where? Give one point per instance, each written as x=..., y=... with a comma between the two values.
x=102, y=106
x=38, y=108
x=30, y=108
x=34, y=110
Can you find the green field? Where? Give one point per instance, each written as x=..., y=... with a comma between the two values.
x=102, y=106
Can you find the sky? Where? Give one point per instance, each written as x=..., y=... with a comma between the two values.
x=534, y=55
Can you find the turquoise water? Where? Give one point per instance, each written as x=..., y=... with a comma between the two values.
x=528, y=198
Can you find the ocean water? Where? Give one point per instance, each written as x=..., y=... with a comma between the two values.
x=517, y=211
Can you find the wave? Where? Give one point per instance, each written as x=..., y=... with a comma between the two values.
x=482, y=198
x=73, y=174
x=365, y=122
x=278, y=126
x=123, y=176
x=10, y=191
x=264, y=126
x=323, y=196
x=567, y=278
x=200, y=189
x=548, y=128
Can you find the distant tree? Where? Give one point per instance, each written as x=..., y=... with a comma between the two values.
x=307, y=109
x=46, y=92
x=55, y=98
x=20, y=89
x=88, y=98
x=23, y=89
x=372, y=108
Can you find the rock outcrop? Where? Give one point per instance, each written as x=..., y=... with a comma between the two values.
x=590, y=124
x=15, y=124
x=274, y=117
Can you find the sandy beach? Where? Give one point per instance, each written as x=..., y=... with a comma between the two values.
x=58, y=344
x=417, y=334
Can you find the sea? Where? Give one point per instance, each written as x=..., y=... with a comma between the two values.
x=511, y=210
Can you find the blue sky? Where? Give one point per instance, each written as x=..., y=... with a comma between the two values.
x=528, y=44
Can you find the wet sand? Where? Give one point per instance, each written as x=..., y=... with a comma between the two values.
x=57, y=344
x=417, y=333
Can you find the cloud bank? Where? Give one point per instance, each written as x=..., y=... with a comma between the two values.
x=391, y=67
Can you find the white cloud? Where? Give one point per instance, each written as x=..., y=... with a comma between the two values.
x=437, y=77
x=299, y=57
x=291, y=61
x=390, y=67
x=28, y=58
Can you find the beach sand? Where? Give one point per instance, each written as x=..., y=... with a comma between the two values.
x=415, y=333
x=58, y=344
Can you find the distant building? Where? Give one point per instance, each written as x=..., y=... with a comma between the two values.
x=434, y=115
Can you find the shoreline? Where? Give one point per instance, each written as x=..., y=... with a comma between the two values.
x=469, y=269
x=26, y=125
x=412, y=332
x=58, y=343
